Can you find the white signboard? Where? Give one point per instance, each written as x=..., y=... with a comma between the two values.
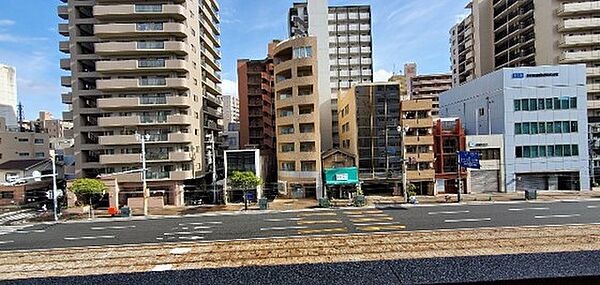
x=341, y=177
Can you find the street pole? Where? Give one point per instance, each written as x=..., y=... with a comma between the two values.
x=214, y=166
x=144, y=172
x=403, y=130
x=54, y=187
x=458, y=171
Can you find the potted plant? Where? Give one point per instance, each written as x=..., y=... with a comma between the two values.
x=412, y=193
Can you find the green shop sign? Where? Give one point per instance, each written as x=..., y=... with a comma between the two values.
x=341, y=176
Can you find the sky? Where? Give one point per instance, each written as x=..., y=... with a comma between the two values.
x=403, y=31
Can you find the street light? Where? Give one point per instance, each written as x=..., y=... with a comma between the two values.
x=210, y=139
x=37, y=176
x=402, y=130
x=143, y=139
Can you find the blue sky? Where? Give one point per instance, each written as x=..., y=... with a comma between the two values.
x=403, y=31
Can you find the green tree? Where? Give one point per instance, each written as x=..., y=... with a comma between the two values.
x=412, y=190
x=245, y=181
x=88, y=191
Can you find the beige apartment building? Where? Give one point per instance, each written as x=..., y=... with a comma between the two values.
x=142, y=68
x=297, y=116
x=22, y=145
x=529, y=33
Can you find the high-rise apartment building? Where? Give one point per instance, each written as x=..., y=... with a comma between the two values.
x=231, y=110
x=430, y=86
x=257, y=101
x=347, y=30
x=298, y=118
x=142, y=68
x=536, y=32
x=8, y=95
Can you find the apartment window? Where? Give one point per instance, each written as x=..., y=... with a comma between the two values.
x=186, y=167
x=573, y=102
x=39, y=155
x=517, y=105
x=308, y=165
x=306, y=109
x=307, y=128
x=152, y=81
x=23, y=139
x=23, y=154
x=151, y=45
x=549, y=104
x=288, y=166
x=302, y=52
x=542, y=127
x=307, y=147
x=287, y=147
x=541, y=104
x=574, y=127
x=38, y=141
x=158, y=62
x=481, y=112
x=149, y=26
x=287, y=112
x=525, y=104
x=286, y=130
x=148, y=8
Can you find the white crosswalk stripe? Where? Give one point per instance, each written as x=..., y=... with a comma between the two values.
x=4, y=230
x=17, y=216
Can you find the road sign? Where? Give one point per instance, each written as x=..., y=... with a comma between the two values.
x=469, y=159
x=249, y=196
x=37, y=176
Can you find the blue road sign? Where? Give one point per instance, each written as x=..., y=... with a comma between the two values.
x=249, y=196
x=469, y=159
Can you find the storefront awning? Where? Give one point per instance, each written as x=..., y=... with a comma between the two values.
x=341, y=176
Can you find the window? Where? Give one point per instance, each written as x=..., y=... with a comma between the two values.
x=556, y=103
x=286, y=130
x=307, y=147
x=518, y=129
x=146, y=8
x=542, y=151
x=575, y=150
x=481, y=112
x=550, y=127
x=158, y=62
x=525, y=128
x=288, y=166
x=39, y=155
x=573, y=102
x=287, y=147
x=564, y=103
x=151, y=45
x=288, y=112
x=557, y=127
x=149, y=26
x=550, y=150
x=23, y=154
x=525, y=104
x=526, y=151
x=307, y=128
x=7, y=195
x=534, y=151
x=308, y=166
x=558, y=150
x=541, y=104
x=533, y=105
x=38, y=141
x=574, y=127
x=566, y=150
x=566, y=127
x=23, y=140
x=517, y=105
x=303, y=52
x=549, y=103
x=533, y=128
x=186, y=167
x=542, y=128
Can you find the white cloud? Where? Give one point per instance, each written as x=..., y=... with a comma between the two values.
x=8, y=38
x=382, y=75
x=230, y=87
x=6, y=22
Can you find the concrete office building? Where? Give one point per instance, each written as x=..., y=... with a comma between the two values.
x=490, y=177
x=145, y=68
x=345, y=52
x=542, y=113
x=534, y=32
x=231, y=110
x=298, y=119
x=8, y=95
x=16, y=145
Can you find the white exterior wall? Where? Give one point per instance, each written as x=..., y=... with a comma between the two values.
x=500, y=89
x=8, y=95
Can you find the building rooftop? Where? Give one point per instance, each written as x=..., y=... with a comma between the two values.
x=21, y=164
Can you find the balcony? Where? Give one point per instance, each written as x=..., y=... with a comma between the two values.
x=148, y=83
x=414, y=175
x=212, y=112
x=569, y=9
x=159, y=11
x=65, y=81
x=67, y=116
x=63, y=12
x=421, y=157
x=416, y=105
x=578, y=41
x=593, y=104
x=418, y=140
x=579, y=56
x=593, y=88
x=141, y=48
x=141, y=120
x=65, y=63
x=144, y=102
x=154, y=139
x=579, y=24
x=593, y=71
x=142, y=65
x=140, y=29
x=134, y=158
x=418, y=123
x=64, y=46
x=67, y=98
x=63, y=29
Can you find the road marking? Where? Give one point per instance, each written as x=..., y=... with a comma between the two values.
x=382, y=228
x=367, y=215
x=314, y=222
x=557, y=216
x=201, y=227
x=162, y=267
x=180, y=250
x=191, y=238
x=29, y=232
x=317, y=214
x=89, y=238
x=375, y=224
x=187, y=233
x=468, y=220
x=6, y=241
x=363, y=212
x=593, y=207
x=112, y=228
x=363, y=220
x=283, y=228
x=448, y=212
x=201, y=224
x=283, y=220
x=316, y=231
x=524, y=209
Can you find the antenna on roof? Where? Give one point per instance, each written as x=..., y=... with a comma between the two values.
x=20, y=116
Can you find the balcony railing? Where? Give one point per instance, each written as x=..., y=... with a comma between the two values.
x=145, y=63
x=153, y=100
x=148, y=8
x=152, y=81
x=153, y=119
x=149, y=27
x=150, y=45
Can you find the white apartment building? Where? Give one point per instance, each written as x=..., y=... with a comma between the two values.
x=347, y=30
x=8, y=95
x=231, y=110
x=542, y=113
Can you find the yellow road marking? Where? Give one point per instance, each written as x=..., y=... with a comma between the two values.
x=316, y=231
x=381, y=228
x=380, y=219
x=317, y=214
x=363, y=212
x=312, y=222
x=368, y=215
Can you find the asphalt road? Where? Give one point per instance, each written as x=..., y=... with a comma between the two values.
x=213, y=227
x=544, y=268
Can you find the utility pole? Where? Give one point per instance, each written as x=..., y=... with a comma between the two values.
x=211, y=140
x=458, y=174
x=145, y=189
x=54, y=188
x=402, y=130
